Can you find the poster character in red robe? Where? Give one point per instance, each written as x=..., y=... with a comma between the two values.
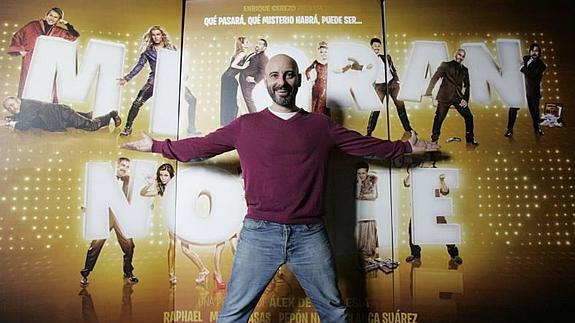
x=24, y=40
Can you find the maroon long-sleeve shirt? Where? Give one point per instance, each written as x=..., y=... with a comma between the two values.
x=284, y=162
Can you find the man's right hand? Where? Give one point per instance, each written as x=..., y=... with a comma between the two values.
x=419, y=146
x=122, y=81
x=144, y=144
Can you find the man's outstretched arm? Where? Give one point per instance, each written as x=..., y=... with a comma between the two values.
x=190, y=149
x=355, y=144
x=436, y=76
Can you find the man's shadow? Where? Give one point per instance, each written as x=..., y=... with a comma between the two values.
x=341, y=222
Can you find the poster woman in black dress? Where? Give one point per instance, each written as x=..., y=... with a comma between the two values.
x=229, y=83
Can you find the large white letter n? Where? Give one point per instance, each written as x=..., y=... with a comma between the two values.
x=105, y=198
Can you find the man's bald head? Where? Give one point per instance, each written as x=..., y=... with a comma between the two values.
x=283, y=60
x=11, y=104
x=283, y=80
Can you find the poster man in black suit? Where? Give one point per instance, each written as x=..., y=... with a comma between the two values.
x=254, y=73
x=382, y=89
x=127, y=244
x=533, y=68
x=25, y=114
x=454, y=91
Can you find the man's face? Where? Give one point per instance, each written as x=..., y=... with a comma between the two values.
x=122, y=168
x=52, y=17
x=156, y=36
x=535, y=52
x=362, y=174
x=260, y=46
x=459, y=56
x=282, y=80
x=164, y=176
x=376, y=47
x=12, y=105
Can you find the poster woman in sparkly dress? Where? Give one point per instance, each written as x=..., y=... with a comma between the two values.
x=317, y=72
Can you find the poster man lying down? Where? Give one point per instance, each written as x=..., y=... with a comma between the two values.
x=26, y=114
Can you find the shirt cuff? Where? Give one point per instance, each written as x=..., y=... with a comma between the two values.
x=157, y=146
x=408, y=148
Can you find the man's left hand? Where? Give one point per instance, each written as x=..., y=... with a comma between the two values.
x=463, y=103
x=144, y=144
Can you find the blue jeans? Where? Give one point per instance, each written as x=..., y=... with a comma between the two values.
x=262, y=248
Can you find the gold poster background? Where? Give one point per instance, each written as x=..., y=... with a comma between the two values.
x=515, y=203
x=42, y=190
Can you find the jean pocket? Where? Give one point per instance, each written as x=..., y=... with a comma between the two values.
x=313, y=227
x=252, y=224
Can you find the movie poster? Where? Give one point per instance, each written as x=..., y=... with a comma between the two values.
x=63, y=170
x=480, y=231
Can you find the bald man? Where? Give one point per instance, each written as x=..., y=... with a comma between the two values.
x=279, y=147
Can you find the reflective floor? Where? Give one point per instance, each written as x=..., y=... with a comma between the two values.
x=522, y=286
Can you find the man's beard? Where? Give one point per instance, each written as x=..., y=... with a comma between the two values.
x=284, y=101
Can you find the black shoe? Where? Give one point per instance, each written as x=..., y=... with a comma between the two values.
x=130, y=278
x=508, y=133
x=415, y=261
x=472, y=142
x=84, y=292
x=539, y=132
x=458, y=260
x=412, y=258
x=126, y=132
x=116, y=118
x=84, y=281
